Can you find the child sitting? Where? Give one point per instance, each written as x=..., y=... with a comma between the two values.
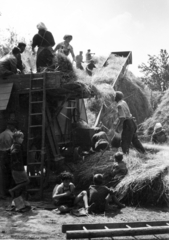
x=64, y=194
x=100, y=196
x=159, y=135
x=18, y=172
x=119, y=170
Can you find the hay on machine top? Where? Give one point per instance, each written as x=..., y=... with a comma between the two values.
x=127, y=55
x=56, y=84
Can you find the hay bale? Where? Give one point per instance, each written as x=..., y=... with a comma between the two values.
x=147, y=183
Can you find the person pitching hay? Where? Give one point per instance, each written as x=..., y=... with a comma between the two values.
x=127, y=125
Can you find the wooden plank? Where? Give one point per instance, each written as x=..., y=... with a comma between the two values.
x=5, y=87
x=3, y=104
x=5, y=93
x=50, y=124
x=68, y=227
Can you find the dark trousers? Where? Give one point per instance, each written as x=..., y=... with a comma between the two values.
x=129, y=136
x=6, y=180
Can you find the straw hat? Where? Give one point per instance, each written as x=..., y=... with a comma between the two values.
x=67, y=36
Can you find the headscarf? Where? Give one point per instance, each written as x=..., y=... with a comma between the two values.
x=41, y=25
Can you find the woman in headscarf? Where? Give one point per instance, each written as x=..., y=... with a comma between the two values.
x=44, y=41
x=65, y=47
x=159, y=135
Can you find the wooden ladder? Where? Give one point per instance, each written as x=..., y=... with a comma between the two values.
x=112, y=230
x=37, y=100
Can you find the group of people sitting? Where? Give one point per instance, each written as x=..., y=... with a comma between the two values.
x=98, y=197
x=44, y=40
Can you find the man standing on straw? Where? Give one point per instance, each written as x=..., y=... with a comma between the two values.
x=127, y=125
x=79, y=61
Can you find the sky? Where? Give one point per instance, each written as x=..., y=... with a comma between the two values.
x=104, y=26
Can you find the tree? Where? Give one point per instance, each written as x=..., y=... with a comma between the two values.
x=156, y=71
x=8, y=40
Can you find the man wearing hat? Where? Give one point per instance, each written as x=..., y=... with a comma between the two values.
x=89, y=55
x=159, y=136
x=65, y=47
x=6, y=141
x=8, y=63
x=79, y=60
x=127, y=125
x=44, y=41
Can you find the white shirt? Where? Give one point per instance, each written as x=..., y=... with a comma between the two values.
x=123, y=110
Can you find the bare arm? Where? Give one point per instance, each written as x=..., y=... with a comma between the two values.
x=58, y=194
x=57, y=47
x=73, y=55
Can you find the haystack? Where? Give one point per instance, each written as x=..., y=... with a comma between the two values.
x=109, y=73
x=135, y=96
x=134, y=93
x=161, y=115
x=95, y=163
x=147, y=182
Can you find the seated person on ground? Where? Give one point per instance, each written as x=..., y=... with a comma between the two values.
x=119, y=170
x=100, y=196
x=64, y=194
x=159, y=135
x=100, y=140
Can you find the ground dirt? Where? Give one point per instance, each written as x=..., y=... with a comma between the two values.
x=47, y=224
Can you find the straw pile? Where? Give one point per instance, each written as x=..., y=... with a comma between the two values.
x=147, y=183
x=134, y=92
x=135, y=96
x=95, y=163
x=161, y=115
x=101, y=84
x=109, y=73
